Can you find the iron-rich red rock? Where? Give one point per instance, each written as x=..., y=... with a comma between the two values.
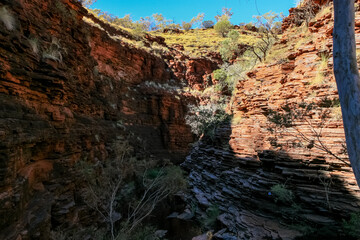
x=69, y=87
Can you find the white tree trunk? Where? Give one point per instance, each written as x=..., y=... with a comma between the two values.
x=347, y=78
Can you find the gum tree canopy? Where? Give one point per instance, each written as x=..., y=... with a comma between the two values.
x=347, y=78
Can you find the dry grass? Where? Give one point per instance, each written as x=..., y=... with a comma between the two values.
x=336, y=113
x=321, y=69
x=34, y=44
x=326, y=9
x=92, y=23
x=277, y=53
x=358, y=55
x=237, y=119
x=7, y=18
x=197, y=42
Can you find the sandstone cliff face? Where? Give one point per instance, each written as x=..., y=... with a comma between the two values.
x=68, y=89
x=238, y=170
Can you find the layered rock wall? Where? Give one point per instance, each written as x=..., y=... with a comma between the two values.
x=238, y=171
x=69, y=87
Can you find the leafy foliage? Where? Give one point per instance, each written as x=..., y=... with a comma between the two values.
x=220, y=74
x=195, y=20
x=228, y=76
x=269, y=27
x=226, y=13
x=207, y=24
x=223, y=26
x=87, y=3
x=230, y=46
x=211, y=216
x=352, y=227
x=285, y=123
x=186, y=26
x=204, y=119
x=116, y=200
x=282, y=194
x=161, y=22
x=155, y=22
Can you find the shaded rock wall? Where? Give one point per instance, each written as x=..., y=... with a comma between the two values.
x=237, y=171
x=68, y=90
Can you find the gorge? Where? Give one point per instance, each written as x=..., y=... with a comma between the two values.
x=72, y=86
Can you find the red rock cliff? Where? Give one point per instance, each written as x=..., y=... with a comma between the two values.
x=238, y=170
x=68, y=89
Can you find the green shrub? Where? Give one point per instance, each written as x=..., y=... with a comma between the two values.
x=229, y=46
x=352, y=227
x=220, y=74
x=212, y=214
x=282, y=194
x=204, y=119
x=249, y=26
x=226, y=50
x=229, y=75
x=223, y=26
x=207, y=24
x=236, y=72
x=124, y=193
x=138, y=31
x=125, y=21
x=233, y=35
x=186, y=26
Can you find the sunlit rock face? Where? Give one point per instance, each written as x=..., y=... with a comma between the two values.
x=242, y=169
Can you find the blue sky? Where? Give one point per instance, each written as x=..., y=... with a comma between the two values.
x=184, y=10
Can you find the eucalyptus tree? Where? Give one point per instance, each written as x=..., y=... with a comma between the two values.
x=347, y=78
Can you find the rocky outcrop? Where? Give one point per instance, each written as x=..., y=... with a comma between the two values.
x=239, y=169
x=70, y=86
x=303, y=13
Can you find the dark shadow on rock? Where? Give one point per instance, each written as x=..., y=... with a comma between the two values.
x=269, y=195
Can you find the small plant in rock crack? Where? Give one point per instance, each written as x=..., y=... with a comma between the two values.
x=281, y=193
x=34, y=44
x=7, y=18
x=212, y=214
x=303, y=123
x=205, y=119
x=54, y=51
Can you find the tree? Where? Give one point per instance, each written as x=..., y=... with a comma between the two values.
x=225, y=12
x=186, y=26
x=125, y=22
x=108, y=187
x=223, y=26
x=207, y=24
x=230, y=45
x=195, y=20
x=87, y=3
x=267, y=25
x=161, y=22
x=347, y=78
